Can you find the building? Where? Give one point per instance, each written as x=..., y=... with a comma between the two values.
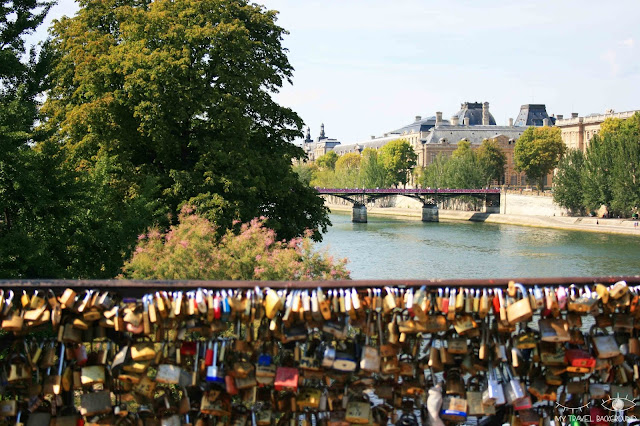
x=474, y=122
x=320, y=146
x=577, y=131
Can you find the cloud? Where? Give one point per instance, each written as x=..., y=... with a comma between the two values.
x=627, y=43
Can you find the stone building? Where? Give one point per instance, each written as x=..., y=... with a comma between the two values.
x=578, y=131
x=320, y=146
x=474, y=122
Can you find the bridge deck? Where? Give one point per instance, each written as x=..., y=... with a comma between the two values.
x=400, y=191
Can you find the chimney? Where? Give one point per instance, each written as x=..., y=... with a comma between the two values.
x=545, y=122
x=574, y=115
x=438, y=118
x=418, y=118
x=511, y=122
x=559, y=116
x=485, y=114
x=466, y=121
x=454, y=120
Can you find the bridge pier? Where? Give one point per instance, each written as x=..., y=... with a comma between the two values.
x=359, y=213
x=430, y=213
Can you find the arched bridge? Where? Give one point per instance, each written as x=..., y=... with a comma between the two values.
x=428, y=196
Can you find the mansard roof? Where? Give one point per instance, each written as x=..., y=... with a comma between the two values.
x=421, y=125
x=473, y=111
x=533, y=115
x=474, y=134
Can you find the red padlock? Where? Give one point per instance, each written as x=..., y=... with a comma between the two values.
x=579, y=358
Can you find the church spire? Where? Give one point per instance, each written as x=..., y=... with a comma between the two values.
x=308, y=136
x=322, y=136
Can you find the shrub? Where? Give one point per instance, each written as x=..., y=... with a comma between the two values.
x=191, y=250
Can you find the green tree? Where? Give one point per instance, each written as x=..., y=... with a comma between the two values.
x=463, y=149
x=328, y=160
x=372, y=172
x=398, y=158
x=305, y=172
x=597, y=173
x=347, y=172
x=492, y=160
x=179, y=96
x=538, y=151
x=624, y=144
x=463, y=169
x=567, y=183
x=433, y=175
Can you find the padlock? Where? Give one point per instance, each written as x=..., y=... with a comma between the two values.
x=604, y=344
x=520, y=310
x=358, y=410
x=215, y=373
x=493, y=394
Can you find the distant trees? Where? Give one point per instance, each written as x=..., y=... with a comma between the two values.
x=568, y=182
x=398, y=159
x=391, y=165
x=538, y=151
x=466, y=168
x=607, y=174
x=492, y=160
x=327, y=161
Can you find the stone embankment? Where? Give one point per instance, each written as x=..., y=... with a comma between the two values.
x=591, y=224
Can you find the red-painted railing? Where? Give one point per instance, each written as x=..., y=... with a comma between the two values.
x=405, y=191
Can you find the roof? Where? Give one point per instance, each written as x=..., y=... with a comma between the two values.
x=533, y=115
x=422, y=125
x=473, y=111
x=474, y=134
x=360, y=146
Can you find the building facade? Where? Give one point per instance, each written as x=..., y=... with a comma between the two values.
x=433, y=136
x=577, y=131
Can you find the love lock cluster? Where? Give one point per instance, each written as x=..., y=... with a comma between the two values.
x=320, y=357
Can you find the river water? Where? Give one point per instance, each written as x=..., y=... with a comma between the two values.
x=390, y=248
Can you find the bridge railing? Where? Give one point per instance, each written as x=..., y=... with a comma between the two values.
x=136, y=288
x=405, y=191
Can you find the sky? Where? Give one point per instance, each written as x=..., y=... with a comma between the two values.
x=366, y=67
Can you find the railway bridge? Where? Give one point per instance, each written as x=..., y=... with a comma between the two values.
x=429, y=198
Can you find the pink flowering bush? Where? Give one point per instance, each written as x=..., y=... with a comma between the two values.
x=191, y=250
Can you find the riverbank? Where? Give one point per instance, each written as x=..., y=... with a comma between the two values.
x=589, y=224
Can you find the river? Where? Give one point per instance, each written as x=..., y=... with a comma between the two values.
x=390, y=248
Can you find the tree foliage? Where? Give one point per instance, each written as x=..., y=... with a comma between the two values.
x=193, y=249
x=178, y=97
x=398, y=158
x=492, y=160
x=327, y=161
x=567, y=183
x=372, y=171
x=607, y=174
x=538, y=151
x=611, y=174
x=466, y=168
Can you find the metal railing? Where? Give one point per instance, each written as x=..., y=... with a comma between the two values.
x=135, y=288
